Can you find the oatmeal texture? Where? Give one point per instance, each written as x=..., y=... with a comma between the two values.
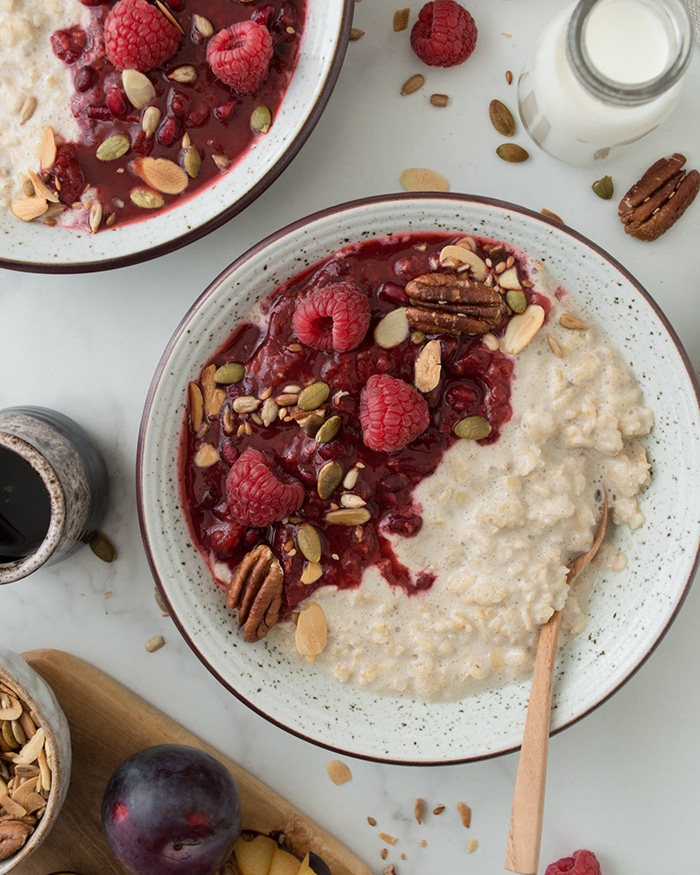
x=30, y=70
x=500, y=523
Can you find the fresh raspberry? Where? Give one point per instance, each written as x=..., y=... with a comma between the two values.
x=444, y=34
x=581, y=863
x=392, y=413
x=258, y=492
x=138, y=36
x=334, y=318
x=240, y=55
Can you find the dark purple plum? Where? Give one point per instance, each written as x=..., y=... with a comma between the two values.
x=171, y=809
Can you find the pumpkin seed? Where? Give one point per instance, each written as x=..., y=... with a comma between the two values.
x=150, y=119
x=473, y=428
x=604, y=187
x=309, y=542
x=314, y=395
x=502, y=118
x=329, y=478
x=113, y=148
x=138, y=88
x=261, y=119
x=516, y=300
x=101, y=546
x=348, y=516
x=146, y=199
x=328, y=430
x=512, y=153
x=231, y=372
x=192, y=162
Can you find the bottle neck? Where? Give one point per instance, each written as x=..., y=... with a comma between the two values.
x=629, y=52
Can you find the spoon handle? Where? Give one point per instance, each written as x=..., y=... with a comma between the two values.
x=523, y=848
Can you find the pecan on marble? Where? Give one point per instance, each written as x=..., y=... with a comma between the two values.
x=255, y=591
x=441, y=303
x=656, y=202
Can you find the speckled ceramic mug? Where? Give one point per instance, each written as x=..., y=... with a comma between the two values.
x=53, y=489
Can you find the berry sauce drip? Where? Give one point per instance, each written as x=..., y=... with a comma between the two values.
x=475, y=381
x=215, y=117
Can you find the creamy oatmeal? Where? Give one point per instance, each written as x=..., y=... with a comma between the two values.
x=418, y=544
x=31, y=72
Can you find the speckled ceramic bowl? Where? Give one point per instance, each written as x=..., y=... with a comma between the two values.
x=629, y=612
x=37, y=247
x=35, y=693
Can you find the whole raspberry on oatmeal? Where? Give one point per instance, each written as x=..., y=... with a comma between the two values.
x=392, y=413
x=335, y=318
x=444, y=34
x=138, y=36
x=580, y=863
x=240, y=55
x=258, y=492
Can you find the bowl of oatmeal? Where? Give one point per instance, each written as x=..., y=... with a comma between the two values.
x=115, y=148
x=372, y=447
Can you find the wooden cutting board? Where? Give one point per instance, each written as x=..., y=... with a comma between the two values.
x=109, y=723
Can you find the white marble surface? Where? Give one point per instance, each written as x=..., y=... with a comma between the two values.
x=625, y=781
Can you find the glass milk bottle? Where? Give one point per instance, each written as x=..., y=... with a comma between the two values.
x=603, y=74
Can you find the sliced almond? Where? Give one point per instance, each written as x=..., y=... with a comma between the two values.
x=47, y=155
x=463, y=258
x=422, y=179
x=392, y=329
x=30, y=751
x=522, y=328
x=311, y=632
x=28, y=208
x=338, y=771
x=311, y=573
x=196, y=407
x=138, y=88
x=161, y=174
x=428, y=367
x=509, y=279
x=206, y=456
x=203, y=25
x=41, y=189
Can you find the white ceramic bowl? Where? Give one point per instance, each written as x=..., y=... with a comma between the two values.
x=36, y=693
x=628, y=614
x=36, y=247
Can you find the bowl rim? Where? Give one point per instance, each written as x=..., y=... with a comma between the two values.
x=224, y=215
x=343, y=207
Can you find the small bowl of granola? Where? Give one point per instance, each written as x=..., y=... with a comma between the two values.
x=36, y=759
x=118, y=148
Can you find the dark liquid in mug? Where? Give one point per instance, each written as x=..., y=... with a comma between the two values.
x=25, y=507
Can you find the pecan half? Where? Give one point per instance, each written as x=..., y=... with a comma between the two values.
x=255, y=591
x=13, y=835
x=656, y=202
x=445, y=304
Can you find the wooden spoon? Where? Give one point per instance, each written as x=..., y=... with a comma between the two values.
x=523, y=849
